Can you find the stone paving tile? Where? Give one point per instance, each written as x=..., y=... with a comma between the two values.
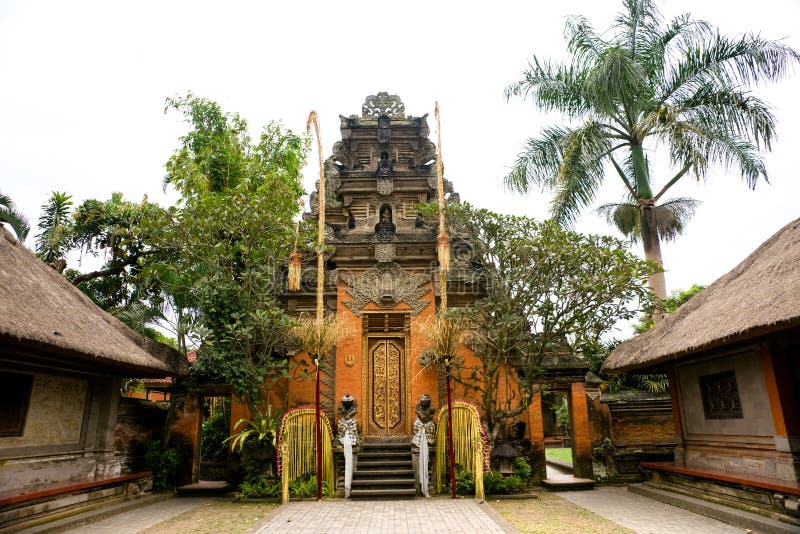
x=428, y=516
x=644, y=515
x=136, y=520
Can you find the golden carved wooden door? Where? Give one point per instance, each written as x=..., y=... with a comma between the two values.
x=386, y=387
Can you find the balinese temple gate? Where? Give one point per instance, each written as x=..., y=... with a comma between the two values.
x=381, y=278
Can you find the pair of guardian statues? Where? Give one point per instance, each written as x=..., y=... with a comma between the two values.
x=423, y=435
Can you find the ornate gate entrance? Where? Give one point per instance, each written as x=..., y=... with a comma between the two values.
x=386, y=386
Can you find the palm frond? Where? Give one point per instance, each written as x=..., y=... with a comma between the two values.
x=726, y=62
x=582, y=41
x=539, y=162
x=552, y=87
x=581, y=171
x=14, y=218
x=739, y=112
x=625, y=217
x=670, y=217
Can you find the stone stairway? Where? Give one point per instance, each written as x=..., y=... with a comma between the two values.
x=383, y=471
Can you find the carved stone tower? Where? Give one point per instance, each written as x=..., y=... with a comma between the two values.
x=380, y=273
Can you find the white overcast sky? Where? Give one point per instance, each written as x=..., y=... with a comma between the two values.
x=83, y=84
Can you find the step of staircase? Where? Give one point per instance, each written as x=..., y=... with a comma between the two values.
x=383, y=470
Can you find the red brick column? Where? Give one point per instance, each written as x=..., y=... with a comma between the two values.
x=536, y=430
x=783, y=398
x=581, y=442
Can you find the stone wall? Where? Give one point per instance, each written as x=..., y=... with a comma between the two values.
x=68, y=433
x=627, y=429
x=138, y=421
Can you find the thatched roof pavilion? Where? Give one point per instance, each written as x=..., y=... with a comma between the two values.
x=759, y=296
x=45, y=319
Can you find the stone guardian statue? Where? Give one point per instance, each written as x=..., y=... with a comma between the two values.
x=424, y=434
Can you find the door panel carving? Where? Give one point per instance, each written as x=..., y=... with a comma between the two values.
x=386, y=387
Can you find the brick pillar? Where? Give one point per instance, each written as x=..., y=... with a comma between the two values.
x=581, y=442
x=680, y=447
x=779, y=375
x=536, y=429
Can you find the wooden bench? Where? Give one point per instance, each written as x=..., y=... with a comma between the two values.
x=772, y=484
x=28, y=506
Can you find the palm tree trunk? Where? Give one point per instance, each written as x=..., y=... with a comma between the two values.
x=652, y=252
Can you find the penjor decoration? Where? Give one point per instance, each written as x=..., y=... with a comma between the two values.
x=443, y=241
x=295, y=262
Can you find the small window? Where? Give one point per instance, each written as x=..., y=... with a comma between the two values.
x=15, y=394
x=720, y=395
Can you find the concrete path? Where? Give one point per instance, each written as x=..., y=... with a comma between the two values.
x=423, y=516
x=643, y=515
x=136, y=520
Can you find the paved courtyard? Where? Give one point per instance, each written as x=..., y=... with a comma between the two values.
x=379, y=517
x=644, y=515
x=430, y=516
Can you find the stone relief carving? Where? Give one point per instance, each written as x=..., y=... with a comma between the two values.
x=383, y=104
x=371, y=287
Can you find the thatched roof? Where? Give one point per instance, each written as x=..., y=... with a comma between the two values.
x=45, y=318
x=761, y=295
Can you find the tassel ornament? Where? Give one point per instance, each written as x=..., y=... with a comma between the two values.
x=295, y=269
x=443, y=251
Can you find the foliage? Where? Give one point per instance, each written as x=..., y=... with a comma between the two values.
x=645, y=84
x=306, y=487
x=214, y=436
x=443, y=334
x=263, y=426
x=14, y=218
x=465, y=481
x=494, y=482
x=522, y=469
x=230, y=236
x=163, y=463
x=55, y=228
x=668, y=305
x=654, y=383
x=131, y=385
x=318, y=337
x=562, y=414
x=262, y=488
x=549, y=291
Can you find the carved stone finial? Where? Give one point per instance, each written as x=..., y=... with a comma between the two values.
x=383, y=104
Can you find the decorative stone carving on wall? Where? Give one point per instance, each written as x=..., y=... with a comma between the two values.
x=384, y=252
x=385, y=185
x=720, y=395
x=383, y=104
x=372, y=286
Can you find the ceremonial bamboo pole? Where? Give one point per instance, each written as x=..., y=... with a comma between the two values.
x=313, y=121
x=443, y=251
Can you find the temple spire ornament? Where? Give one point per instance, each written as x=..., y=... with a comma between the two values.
x=443, y=241
x=313, y=121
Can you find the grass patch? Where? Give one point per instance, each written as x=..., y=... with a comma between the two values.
x=550, y=514
x=214, y=517
x=562, y=454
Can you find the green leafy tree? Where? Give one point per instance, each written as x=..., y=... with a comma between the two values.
x=229, y=238
x=12, y=217
x=669, y=305
x=55, y=228
x=550, y=291
x=644, y=85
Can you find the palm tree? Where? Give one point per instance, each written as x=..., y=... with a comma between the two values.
x=53, y=240
x=15, y=219
x=645, y=84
